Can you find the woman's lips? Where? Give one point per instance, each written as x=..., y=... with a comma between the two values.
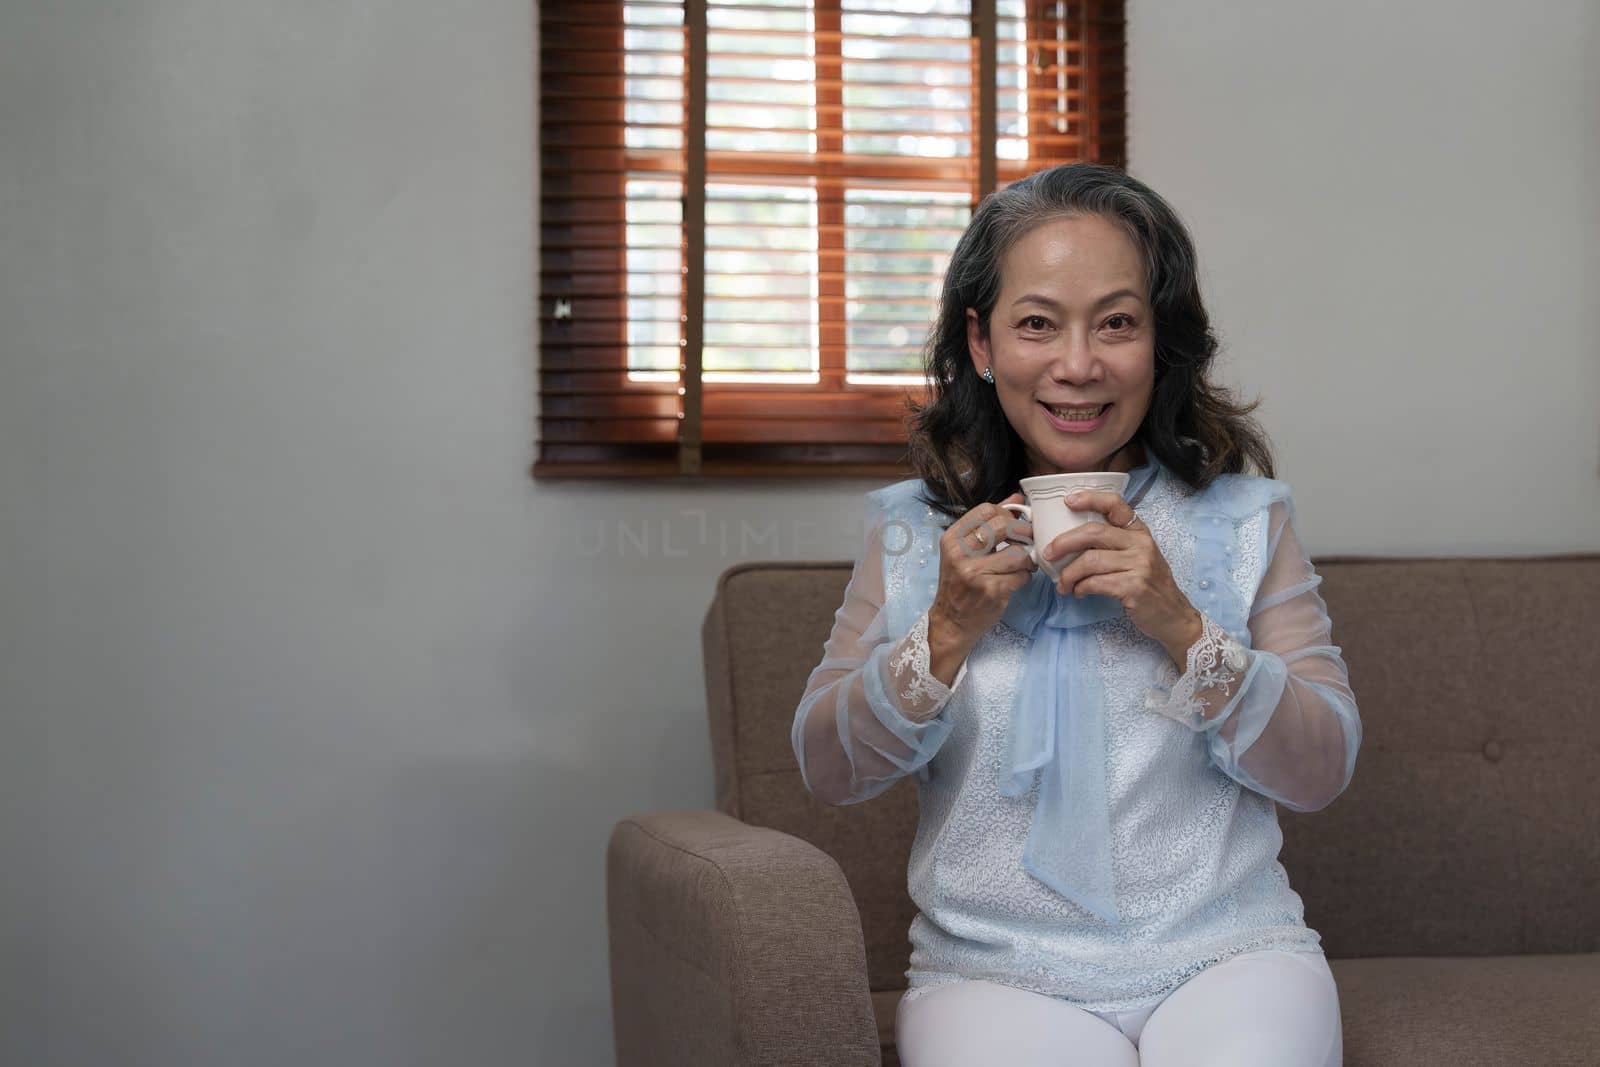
x=1078, y=426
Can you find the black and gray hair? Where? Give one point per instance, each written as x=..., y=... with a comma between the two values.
x=961, y=443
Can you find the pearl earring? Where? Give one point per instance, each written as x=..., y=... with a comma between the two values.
x=988, y=375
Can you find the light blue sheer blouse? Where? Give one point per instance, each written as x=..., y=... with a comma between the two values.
x=1188, y=854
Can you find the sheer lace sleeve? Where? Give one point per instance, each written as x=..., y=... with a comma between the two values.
x=1281, y=718
x=872, y=711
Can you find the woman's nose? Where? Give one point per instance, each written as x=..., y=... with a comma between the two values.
x=1074, y=359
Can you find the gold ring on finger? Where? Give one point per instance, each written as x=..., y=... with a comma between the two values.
x=983, y=542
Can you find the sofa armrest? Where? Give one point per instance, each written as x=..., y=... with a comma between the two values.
x=732, y=945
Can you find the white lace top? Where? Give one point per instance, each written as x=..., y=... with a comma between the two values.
x=1195, y=836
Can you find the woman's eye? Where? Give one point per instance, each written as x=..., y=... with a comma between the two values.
x=1036, y=322
x=1126, y=320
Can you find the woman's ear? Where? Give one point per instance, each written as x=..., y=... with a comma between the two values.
x=977, y=344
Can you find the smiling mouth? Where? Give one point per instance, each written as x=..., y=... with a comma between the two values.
x=1075, y=414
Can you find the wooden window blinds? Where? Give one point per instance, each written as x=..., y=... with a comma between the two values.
x=747, y=208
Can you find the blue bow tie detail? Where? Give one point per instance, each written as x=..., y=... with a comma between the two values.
x=1058, y=728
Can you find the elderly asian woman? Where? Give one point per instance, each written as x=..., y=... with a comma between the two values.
x=1099, y=757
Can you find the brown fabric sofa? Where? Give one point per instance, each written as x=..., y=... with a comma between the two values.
x=1456, y=883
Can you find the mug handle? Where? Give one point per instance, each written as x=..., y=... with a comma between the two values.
x=1026, y=512
x=1022, y=511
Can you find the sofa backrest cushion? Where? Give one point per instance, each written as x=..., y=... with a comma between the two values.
x=1472, y=824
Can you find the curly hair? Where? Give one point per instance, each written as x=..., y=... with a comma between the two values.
x=961, y=443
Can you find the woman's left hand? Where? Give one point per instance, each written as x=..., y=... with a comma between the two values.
x=1125, y=563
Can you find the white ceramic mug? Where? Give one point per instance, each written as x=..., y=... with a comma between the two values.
x=1047, y=511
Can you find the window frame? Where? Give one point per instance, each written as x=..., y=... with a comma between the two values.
x=835, y=418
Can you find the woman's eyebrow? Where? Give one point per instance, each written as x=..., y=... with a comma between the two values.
x=1036, y=298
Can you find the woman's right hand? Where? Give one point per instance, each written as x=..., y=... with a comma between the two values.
x=975, y=581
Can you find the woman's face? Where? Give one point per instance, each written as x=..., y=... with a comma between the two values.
x=1072, y=328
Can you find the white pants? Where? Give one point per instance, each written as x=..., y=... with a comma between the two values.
x=1258, y=1009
